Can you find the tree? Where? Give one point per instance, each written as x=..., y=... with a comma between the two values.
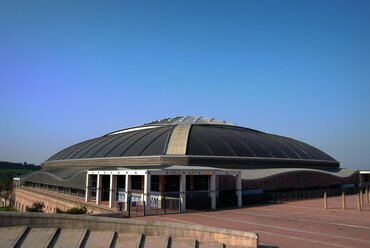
x=6, y=190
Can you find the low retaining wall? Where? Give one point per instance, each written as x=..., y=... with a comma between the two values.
x=152, y=228
x=24, y=197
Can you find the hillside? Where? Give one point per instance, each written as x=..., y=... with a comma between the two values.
x=8, y=170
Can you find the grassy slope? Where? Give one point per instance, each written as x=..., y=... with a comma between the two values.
x=8, y=209
x=10, y=172
x=7, y=174
x=16, y=172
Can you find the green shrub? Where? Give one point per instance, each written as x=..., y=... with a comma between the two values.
x=75, y=210
x=59, y=211
x=36, y=207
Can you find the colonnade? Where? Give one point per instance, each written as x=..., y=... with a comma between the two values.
x=147, y=185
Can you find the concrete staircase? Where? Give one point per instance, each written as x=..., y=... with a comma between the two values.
x=24, y=236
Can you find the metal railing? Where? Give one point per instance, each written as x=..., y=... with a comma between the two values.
x=164, y=205
x=286, y=195
x=198, y=200
x=158, y=206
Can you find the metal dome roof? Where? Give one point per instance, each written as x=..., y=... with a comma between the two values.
x=243, y=142
x=138, y=141
x=194, y=136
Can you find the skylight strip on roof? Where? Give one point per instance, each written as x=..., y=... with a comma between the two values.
x=133, y=129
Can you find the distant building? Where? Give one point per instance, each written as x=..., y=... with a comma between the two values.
x=204, y=162
x=364, y=178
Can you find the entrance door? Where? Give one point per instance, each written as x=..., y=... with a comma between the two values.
x=227, y=199
x=226, y=196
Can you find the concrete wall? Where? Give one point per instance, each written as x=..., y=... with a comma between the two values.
x=300, y=179
x=153, y=228
x=25, y=198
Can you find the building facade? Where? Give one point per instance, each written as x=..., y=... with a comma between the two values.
x=199, y=163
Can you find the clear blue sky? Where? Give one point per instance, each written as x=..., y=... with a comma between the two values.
x=74, y=70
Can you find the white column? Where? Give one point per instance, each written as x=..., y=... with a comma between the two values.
x=115, y=187
x=112, y=190
x=212, y=185
x=147, y=189
x=127, y=189
x=98, y=189
x=183, y=193
x=88, y=188
x=217, y=185
x=239, y=189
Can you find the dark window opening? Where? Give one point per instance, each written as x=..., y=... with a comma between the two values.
x=94, y=179
x=171, y=183
x=121, y=182
x=155, y=183
x=197, y=183
x=137, y=182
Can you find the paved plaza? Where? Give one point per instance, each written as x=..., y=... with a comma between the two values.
x=295, y=224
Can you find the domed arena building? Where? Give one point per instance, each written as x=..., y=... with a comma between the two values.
x=203, y=163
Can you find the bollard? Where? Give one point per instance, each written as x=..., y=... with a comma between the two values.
x=326, y=200
x=343, y=200
x=358, y=202
x=361, y=198
x=367, y=195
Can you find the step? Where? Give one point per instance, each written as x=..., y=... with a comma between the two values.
x=39, y=237
x=241, y=246
x=9, y=236
x=182, y=242
x=99, y=239
x=156, y=242
x=210, y=245
x=70, y=238
x=128, y=240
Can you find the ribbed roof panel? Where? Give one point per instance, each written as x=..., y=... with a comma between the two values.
x=242, y=142
x=198, y=136
x=136, y=143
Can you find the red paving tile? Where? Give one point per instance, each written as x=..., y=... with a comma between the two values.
x=296, y=224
